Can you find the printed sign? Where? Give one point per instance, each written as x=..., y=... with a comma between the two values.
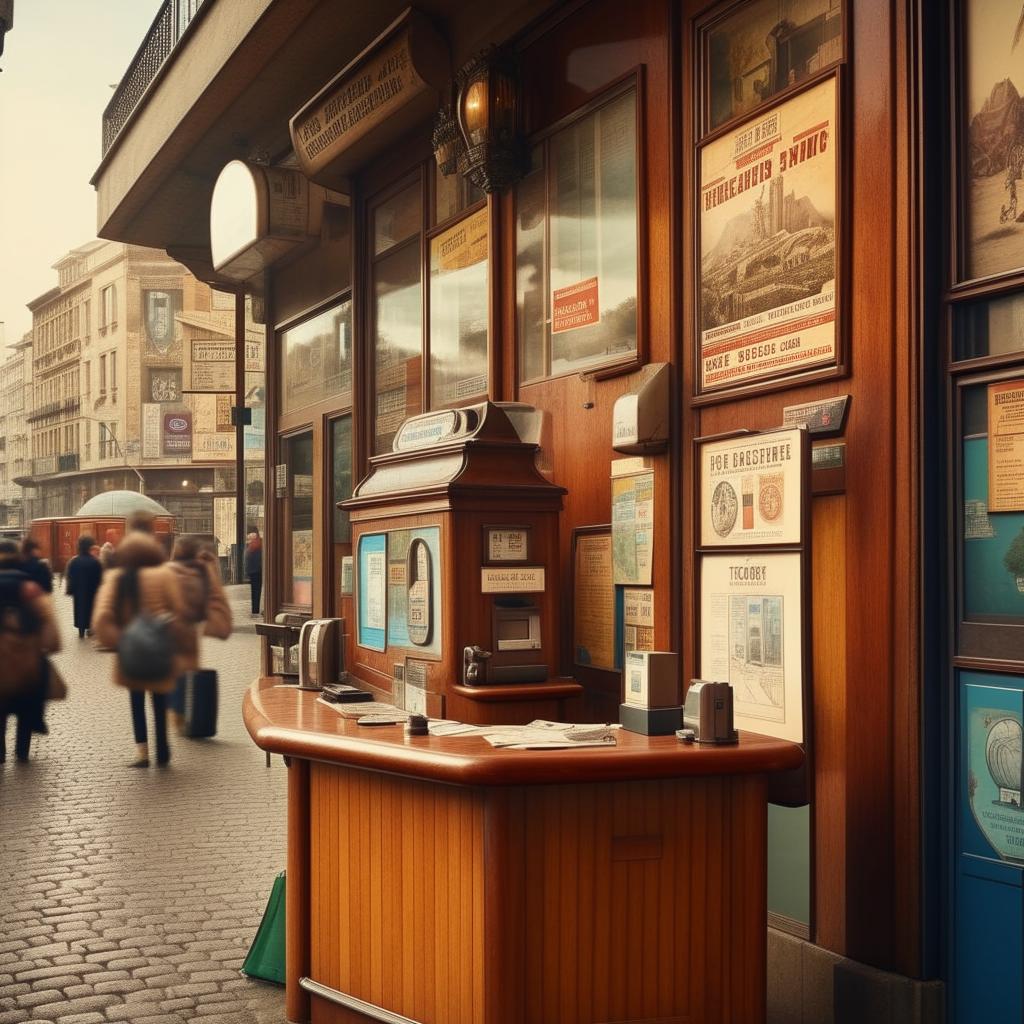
x=767, y=243
x=633, y=528
x=507, y=545
x=462, y=245
x=1006, y=446
x=527, y=580
x=751, y=489
x=575, y=305
x=593, y=602
x=150, y=430
x=178, y=433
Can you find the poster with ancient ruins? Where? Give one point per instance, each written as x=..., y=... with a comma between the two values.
x=993, y=80
x=768, y=197
x=764, y=47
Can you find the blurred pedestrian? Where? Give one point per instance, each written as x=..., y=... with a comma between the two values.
x=34, y=566
x=82, y=577
x=254, y=568
x=207, y=612
x=108, y=549
x=139, y=613
x=28, y=632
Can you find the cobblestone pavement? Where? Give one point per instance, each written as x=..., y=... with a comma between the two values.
x=133, y=894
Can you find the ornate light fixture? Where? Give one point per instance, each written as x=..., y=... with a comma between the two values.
x=487, y=110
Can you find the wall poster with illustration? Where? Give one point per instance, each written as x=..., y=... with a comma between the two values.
x=768, y=222
x=992, y=138
x=756, y=50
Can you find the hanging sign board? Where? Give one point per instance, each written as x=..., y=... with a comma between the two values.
x=392, y=86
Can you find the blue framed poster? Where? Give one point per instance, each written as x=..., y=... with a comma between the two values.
x=371, y=591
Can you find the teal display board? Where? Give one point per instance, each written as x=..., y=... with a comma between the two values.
x=988, y=930
x=399, y=542
x=371, y=584
x=990, y=590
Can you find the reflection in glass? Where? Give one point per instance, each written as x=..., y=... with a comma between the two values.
x=234, y=212
x=341, y=476
x=317, y=359
x=767, y=46
x=397, y=219
x=298, y=517
x=452, y=194
x=588, y=280
x=990, y=328
x=458, y=311
x=397, y=340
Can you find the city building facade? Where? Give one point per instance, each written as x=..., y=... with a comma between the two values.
x=112, y=405
x=15, y=452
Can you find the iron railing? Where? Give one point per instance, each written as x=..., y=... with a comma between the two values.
x=168, y=27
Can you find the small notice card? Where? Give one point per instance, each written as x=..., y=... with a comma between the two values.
x=1006, y=446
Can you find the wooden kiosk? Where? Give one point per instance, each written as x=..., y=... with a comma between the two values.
x=442, y=881
x=456, y=565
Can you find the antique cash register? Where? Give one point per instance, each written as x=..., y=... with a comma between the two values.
x=456, y=589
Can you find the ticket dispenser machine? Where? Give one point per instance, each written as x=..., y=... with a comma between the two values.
x=456, y=570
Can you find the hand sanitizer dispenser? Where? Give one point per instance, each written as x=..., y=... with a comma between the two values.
x=640, y=418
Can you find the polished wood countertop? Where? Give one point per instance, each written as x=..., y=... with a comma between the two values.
x=285, y=720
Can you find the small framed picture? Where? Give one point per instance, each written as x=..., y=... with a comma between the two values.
x=506, y=545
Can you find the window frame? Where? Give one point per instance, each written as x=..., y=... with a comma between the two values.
x=633, y=79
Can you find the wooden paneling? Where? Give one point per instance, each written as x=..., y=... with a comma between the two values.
x=569, y=904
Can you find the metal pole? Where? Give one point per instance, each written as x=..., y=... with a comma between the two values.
x=240, y=531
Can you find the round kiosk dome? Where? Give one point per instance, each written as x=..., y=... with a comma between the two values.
x=121, y=503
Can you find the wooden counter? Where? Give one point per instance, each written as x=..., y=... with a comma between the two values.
x=441, y=881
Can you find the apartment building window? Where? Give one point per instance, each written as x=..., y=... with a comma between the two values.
x=108, y=308
x=113, y=374
x=88, y=316
x=86, y=380
x=103, y=375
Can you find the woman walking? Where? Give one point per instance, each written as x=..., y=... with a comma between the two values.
x=28, y=632
x=143, y=590
x=83, y=576
x=207, y=612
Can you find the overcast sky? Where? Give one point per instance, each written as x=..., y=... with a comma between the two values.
x=58, y=64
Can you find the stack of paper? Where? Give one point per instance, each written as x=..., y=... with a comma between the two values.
x=538, y=735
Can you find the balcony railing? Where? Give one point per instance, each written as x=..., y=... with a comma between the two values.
x=168, y=26
x=51, y=464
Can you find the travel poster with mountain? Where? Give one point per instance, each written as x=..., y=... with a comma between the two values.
x=767, y=243
x=994, y=159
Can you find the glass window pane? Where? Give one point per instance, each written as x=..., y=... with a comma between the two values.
x=298, y=521
x=317, y=359
x=452, y=194
x=531, y=283
x=398, y=319
x=990, y=328
x=590, y=280
x=458, y=311
x=398, y=219
x=341, y=475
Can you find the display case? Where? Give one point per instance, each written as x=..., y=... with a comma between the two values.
x=456, y=570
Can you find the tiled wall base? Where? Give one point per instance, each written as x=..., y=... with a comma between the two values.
x=810, y=985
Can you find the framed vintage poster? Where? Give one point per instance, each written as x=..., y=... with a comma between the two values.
x=596, y=627
x=754, y=51
x=991, y=139
x=633, y=528
x=752, y=635
x=372, y=591
x=753, y=488
x=767, y=222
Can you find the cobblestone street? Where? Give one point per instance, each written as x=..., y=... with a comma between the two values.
x=133, y=894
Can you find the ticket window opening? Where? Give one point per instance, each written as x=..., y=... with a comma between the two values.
x=516, y=626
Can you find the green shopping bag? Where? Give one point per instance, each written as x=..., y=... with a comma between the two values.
x=265, y=959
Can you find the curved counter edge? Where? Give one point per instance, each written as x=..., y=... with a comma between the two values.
x=284, y=720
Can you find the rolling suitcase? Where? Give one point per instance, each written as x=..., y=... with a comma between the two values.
x=200, y=704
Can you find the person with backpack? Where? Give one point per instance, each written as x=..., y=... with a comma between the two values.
x=28, y=632
x=207, y=612
x=82, y=577
x=139, y=614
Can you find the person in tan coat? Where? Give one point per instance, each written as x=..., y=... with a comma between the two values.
x=141, y=565
x=207, y=612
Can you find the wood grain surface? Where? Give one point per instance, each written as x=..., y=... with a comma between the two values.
x=289, y=721
x=578, y=904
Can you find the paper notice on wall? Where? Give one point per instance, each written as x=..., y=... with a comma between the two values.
x=638, y=607
x=633, y=528
x=1006, y=446
x=594, y=602
x=376, y=589
x=151, y=430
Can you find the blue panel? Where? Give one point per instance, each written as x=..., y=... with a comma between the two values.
x=370, y=545
x=988, y=935
x=988, y=961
